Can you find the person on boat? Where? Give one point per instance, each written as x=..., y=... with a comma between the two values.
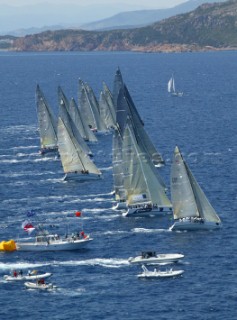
x=15, y=274
x=20, y=273
x=41, y=281
x=83, y=235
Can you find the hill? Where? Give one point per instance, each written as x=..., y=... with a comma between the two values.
x=141, y=18
x=210, y=25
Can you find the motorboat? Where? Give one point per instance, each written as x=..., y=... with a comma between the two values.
x=19, y=277
x=151, y=257
x=40, y=286
x=159, y=274
x=49, y=242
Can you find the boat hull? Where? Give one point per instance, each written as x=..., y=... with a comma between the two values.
x=191, y=225
x=160, y=274
x=159, y=258
x=32, y=285
x=24, y=278
x=81, y=177
x=54, y=246
x=144, y=211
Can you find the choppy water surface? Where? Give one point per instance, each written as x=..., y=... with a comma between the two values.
x=98, y=282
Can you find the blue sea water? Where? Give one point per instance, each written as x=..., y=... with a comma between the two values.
x=98, y=282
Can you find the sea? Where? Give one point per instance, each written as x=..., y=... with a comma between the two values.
x=98, y=282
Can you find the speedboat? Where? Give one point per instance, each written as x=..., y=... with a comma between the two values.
x=40, y=286
x=159, y=274
x=54, y=243
x=151, y=257
x=20, y=277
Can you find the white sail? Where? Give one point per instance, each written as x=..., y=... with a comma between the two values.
x=109, y=99
x=118, y=177
x=89, y=107
x=140, y=174
x=189, y=201
x=182, y=197
x=74, y=159
x=83, y=127
x=47, y=125
x=68, y=121
x=106, y=113
x=171, y=85
x=205, y=209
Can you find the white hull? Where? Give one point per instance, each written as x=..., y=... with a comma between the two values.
x=159, y=258
x=143, y=210
x=159, y=274
x=191, y=225
x=177, y=94
x=60, y=245
x=32, y=285
x=21, y=278
x=81, y=177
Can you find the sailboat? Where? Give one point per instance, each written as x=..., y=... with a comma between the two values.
x=78, y=119
x=76, y=163
x=65, y=115
x=172, y=89
x=191, y=208
x=89, y=107
x=144, y=191
x=47, y=124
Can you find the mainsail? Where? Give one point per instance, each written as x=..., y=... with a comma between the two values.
x=74, y=159
x=171, y=84
x=188, y=199
x=140, y=175
x=89, y=107
x=47, y=124
x=82, y=126
x=107, y=112
x=64, y=108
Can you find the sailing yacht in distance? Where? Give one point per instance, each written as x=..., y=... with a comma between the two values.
x=171, y=88
x=191, y=208
x=47, y=124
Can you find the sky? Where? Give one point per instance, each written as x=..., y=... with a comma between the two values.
x=143, y=3
x=26, y=14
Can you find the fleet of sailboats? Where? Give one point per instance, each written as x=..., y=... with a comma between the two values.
x=138, y=185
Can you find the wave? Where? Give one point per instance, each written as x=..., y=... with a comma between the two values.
x=22, y=265
x=106, y=263
x=44, y=159
x=106, y=168
x=143, y=230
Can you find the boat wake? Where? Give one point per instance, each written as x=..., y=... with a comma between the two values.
x=143, y=230
x=106, y=263
x=22, y=265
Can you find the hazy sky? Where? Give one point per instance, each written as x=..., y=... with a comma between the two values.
x=144, y=3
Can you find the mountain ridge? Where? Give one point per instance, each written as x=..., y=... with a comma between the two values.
x=210, y=26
